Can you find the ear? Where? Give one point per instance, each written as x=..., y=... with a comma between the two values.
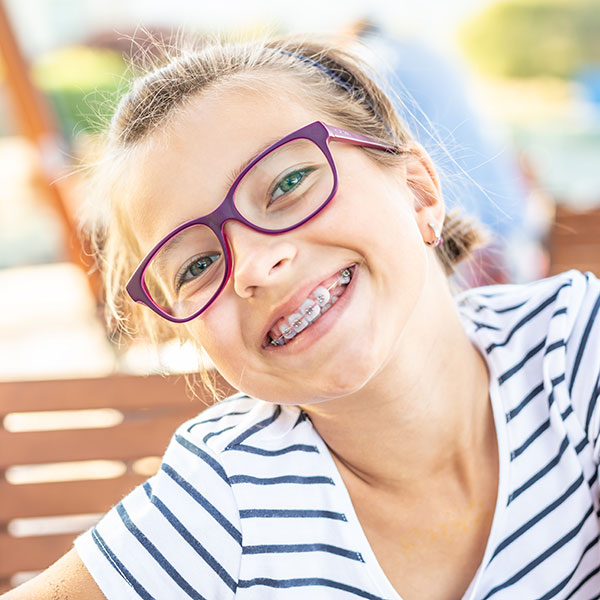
x=423, y=182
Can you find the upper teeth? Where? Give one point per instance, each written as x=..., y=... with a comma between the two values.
x=311, y=309
x=322, y=296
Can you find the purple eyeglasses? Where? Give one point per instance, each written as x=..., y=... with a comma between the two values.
x=282, y=188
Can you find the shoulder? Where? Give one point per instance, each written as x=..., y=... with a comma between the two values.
x=542, y=336
x=197, y=456
x=235, y=439
x=182, y=528
x=503, y=313
x=238, y=421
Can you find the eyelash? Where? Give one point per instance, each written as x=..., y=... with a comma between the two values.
x=304, y=171
x=179, y=278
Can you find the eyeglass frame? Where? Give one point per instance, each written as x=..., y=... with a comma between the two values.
x=317, y=132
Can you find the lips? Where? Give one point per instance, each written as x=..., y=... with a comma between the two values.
x=308, y=311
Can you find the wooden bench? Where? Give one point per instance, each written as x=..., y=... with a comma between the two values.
x=151, y=408
x=575, y=240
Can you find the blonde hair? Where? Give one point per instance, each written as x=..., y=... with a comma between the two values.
x=333, y=79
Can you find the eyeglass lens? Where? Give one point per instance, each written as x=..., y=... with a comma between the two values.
x=285, y=187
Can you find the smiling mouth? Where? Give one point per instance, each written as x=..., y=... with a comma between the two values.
x=319, y=301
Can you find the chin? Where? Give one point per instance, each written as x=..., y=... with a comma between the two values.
x=321, y=387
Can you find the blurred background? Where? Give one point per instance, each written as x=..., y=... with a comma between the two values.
x=504, y=94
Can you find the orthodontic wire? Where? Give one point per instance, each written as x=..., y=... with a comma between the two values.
x=276, y=342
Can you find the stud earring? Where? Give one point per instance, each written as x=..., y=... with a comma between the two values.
x=437, y=240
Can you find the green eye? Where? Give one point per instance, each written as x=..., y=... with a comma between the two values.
x=196, y=268
x=289, y=183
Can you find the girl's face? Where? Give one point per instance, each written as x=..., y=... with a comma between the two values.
x=373, y=227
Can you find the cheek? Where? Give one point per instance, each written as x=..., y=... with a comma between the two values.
x=217, y=332
x=220, y=332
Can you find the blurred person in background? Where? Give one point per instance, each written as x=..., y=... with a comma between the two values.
x=478, y=170
x=265, y=202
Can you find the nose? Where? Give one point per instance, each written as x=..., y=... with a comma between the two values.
x=259, y=259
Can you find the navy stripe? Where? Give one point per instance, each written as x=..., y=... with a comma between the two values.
x=592, y=404
x=532, y=394
x=498, y=310
x=288, y=548
x=119, y=566
x=554, y=383
x=213, y=433
x=593, y=478
x=542, y=557
x=215, y=419
x=281, y=479
x=307, y=581
x=542, y=472
x=537, y=518
x=200, y=499
x=210, y=560
x=508, y=374
x=508, y=308
x=583, y=582
x=567, y=412
x=582, y=444
x=554, y=346
x=205, y=456
x=290, y=513
x=536, y=311
x=279, y=452
x=558, y=380
x=167, y=567
x=497, y=294
x=560, y=311
x=256, y=427
x=583, y=343
x=301, y=418
x=557, y=588
x=518, y=451
x=479, y=325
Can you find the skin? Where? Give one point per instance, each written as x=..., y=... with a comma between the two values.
x=394, y=372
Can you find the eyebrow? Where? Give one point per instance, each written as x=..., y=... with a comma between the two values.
x=235, y=173
x=166, y=250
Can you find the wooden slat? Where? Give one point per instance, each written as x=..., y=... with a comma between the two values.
x=120, y=392
x=32, y=553
x=575, y=241
x=64, y=498
x=565, y=235
x=577, y=253
x=558, y=267
x=580, y=223
x=147, y=436
x=5, y=585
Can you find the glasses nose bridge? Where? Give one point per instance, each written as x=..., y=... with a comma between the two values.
x=225, y=212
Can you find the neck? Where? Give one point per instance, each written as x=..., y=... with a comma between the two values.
x=425, y=415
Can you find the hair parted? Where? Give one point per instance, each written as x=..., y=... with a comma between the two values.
x=340, y=87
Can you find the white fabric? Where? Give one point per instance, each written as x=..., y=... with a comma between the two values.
x=249, y=504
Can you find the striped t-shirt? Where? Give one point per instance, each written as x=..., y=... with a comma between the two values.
x=248, y=502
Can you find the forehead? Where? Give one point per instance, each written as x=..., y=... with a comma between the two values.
x=183, y=170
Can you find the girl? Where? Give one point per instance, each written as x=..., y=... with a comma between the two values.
x=390, y=440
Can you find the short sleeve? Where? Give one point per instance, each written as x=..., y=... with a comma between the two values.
x=176, y=536
x=583, y=357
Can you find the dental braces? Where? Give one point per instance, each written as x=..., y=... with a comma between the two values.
x=343, y=279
